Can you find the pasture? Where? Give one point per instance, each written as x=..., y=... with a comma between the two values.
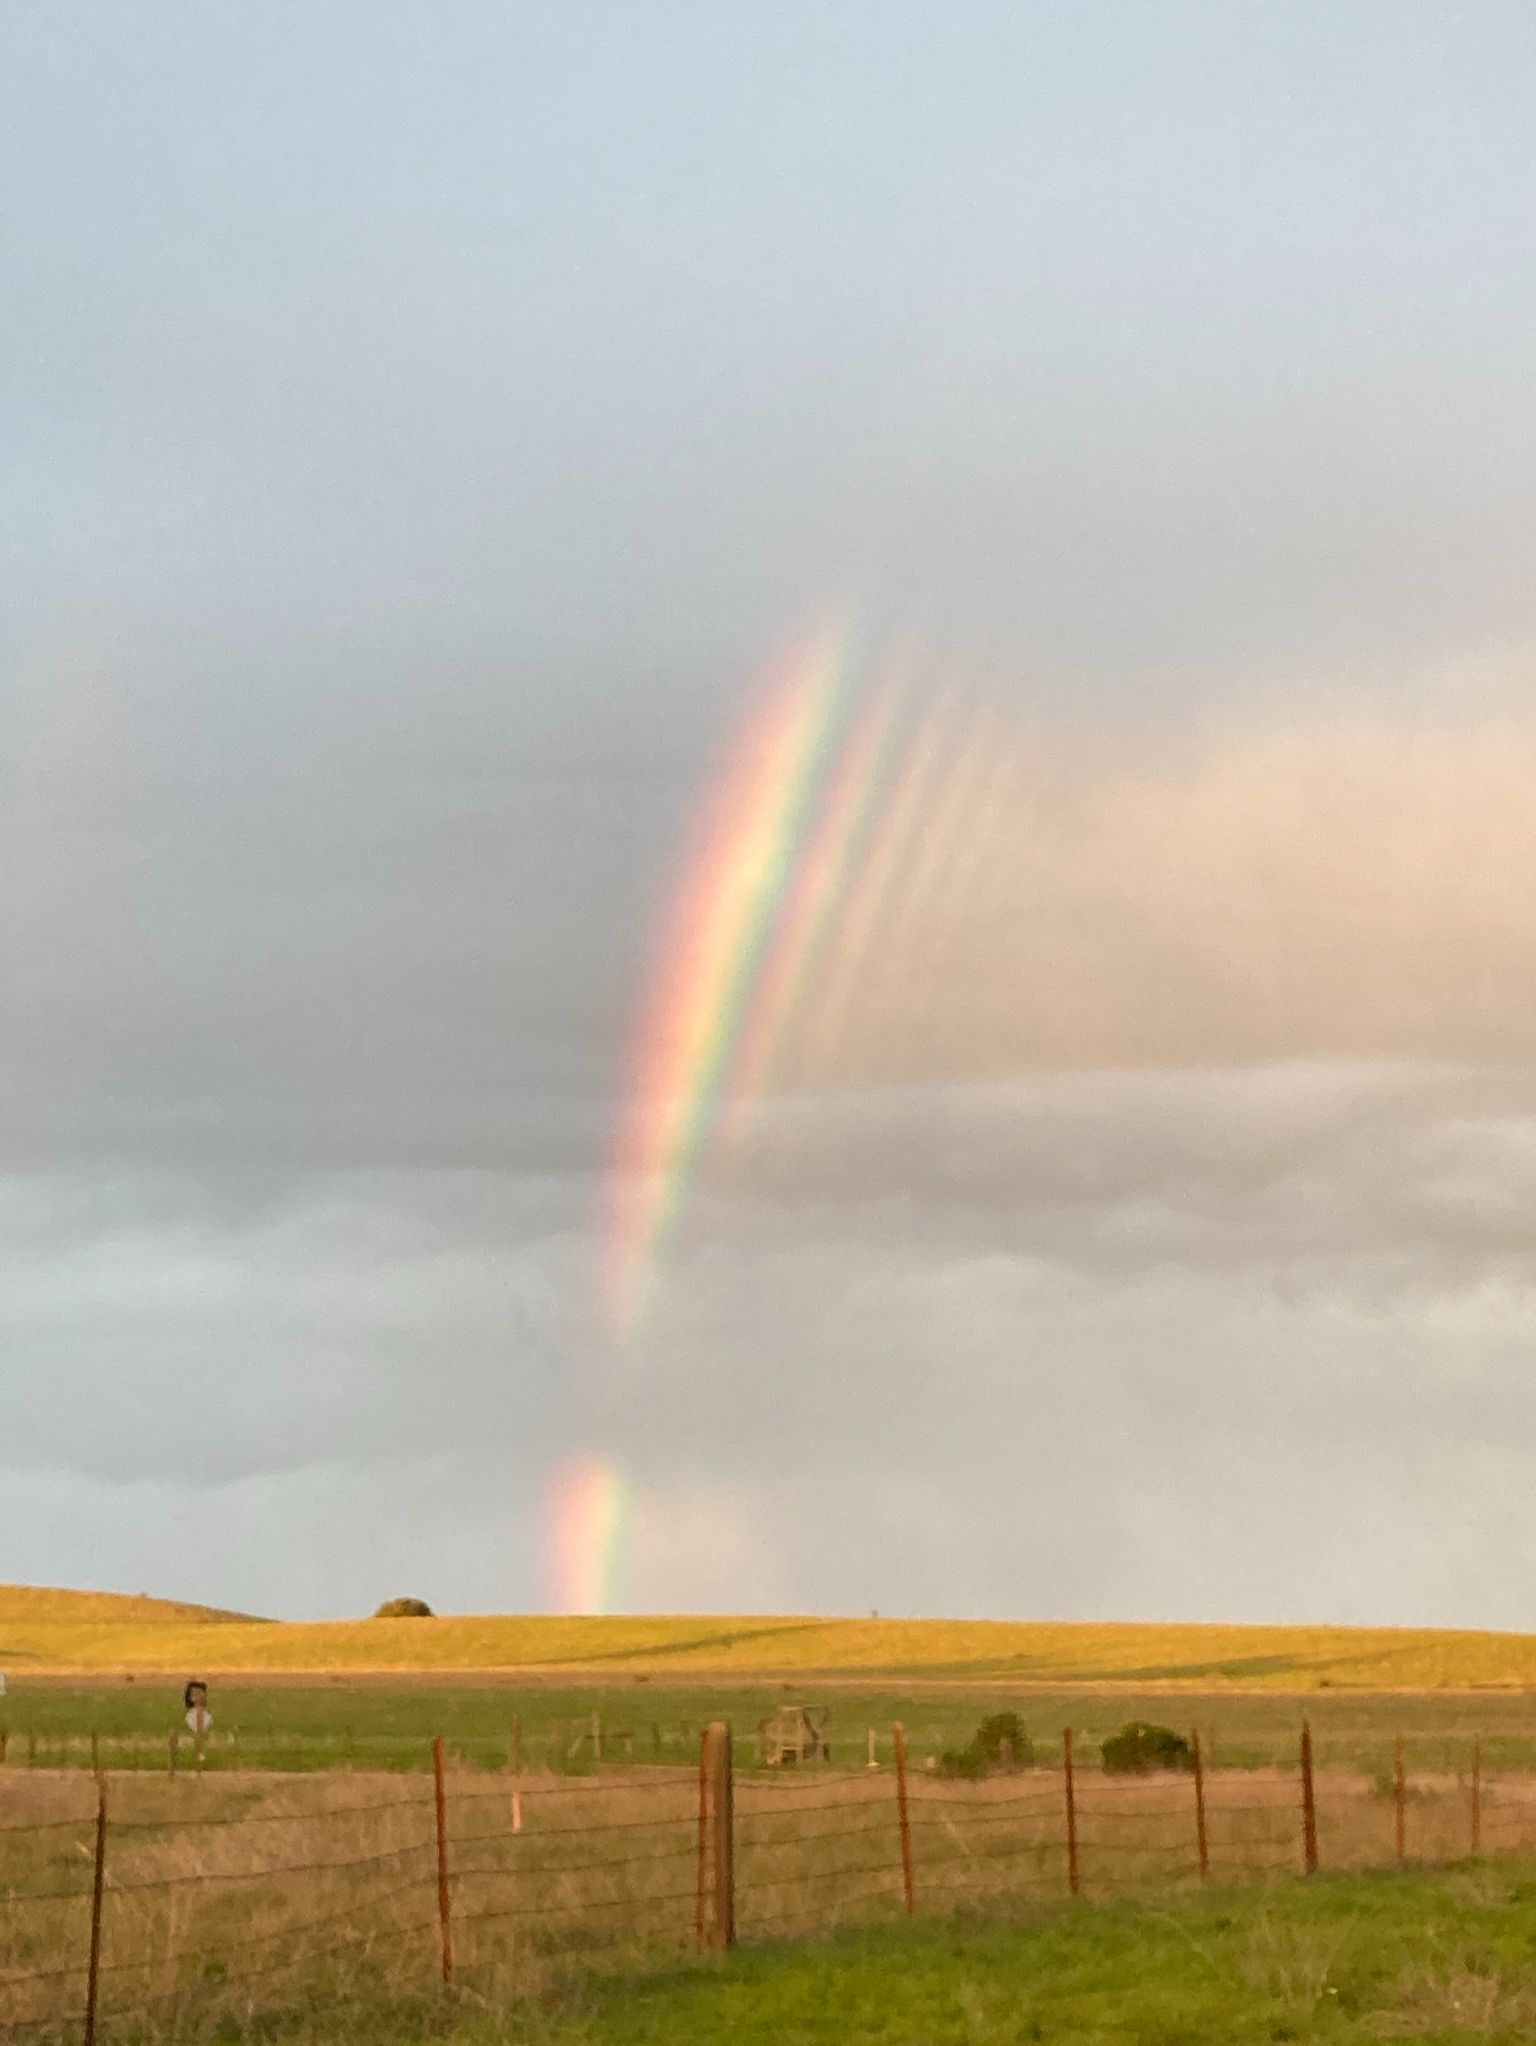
x=351, y=1722
x=46, y=1632
x=305, y=1876
x=1442, y=1957
x=319, y=1906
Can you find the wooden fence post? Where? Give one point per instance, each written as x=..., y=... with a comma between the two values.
x=174, y=1748
x=1399, y=1800
x=1074, y=1875
x=903, y=1816
x=98, y=1883
x=722, y=1917
x=1308, y=1804
x=1202, y=1847
x=1477, y=1793
x=440, y=1803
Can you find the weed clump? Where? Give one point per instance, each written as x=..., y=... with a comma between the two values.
x=1139, y=1748
x=404, y=1609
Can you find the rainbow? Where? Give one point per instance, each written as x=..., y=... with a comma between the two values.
x=805, y=918
x=793, y=877
x=742, y=929
x=588, y=1513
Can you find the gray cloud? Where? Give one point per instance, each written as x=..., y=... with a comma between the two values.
x=421, y=431
x=1097, y=1362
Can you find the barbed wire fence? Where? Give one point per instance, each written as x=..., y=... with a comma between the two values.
x=131, y=1900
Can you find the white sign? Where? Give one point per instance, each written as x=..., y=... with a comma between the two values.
x=199, y=1719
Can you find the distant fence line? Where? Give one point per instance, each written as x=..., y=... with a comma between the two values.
x=233, y=1897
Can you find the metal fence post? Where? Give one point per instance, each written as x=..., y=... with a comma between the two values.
x=903, y=1816
x=1202, y=1845
x=444, y=1914
x=1399, y=1800
x=98, y=1883
x=1477, y=1793
x=1308, y=1804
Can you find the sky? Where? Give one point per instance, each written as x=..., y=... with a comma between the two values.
x=437, y=439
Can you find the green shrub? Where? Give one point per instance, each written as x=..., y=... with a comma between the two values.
x=404, y=1609
x=1000, y=1742
x=968, y=1761
x=1139, y=1748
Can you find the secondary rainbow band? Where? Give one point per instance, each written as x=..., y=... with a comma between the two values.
x=805, y=916
x=587, y=1523
x=727, y=913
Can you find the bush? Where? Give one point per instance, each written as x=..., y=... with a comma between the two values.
x=1000, y=1742
x=1139, y=1748
x=968, y=1761
x=1003, y=1741
x=404, y=1609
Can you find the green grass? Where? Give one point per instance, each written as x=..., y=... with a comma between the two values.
x=346, y=1720
x=1444, y=1957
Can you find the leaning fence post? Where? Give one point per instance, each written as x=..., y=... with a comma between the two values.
x=98, y=1883
x=903, y=1816
x=1308, y=1804
x=1202, y=1847
x=1074, y=1877
x=440, y=1803
x=1477, y=1793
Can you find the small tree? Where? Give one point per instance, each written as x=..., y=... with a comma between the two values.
x=404, y=1609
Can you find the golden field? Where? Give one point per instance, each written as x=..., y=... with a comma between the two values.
x=46, y=1632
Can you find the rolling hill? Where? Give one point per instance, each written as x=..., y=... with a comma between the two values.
x=47, y=1632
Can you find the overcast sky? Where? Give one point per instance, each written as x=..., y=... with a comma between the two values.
x=420, y=426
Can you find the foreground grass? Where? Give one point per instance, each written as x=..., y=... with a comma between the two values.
x=1445, y=1957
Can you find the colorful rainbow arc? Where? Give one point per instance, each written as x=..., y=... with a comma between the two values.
x=836, y=819
x=767, y=872
x=588, y=1510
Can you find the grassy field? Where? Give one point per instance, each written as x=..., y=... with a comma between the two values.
x=80, y=1633
x=1439, y=1957
x=1442, y=1958
x=347, y=1722
x=243, y=1901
